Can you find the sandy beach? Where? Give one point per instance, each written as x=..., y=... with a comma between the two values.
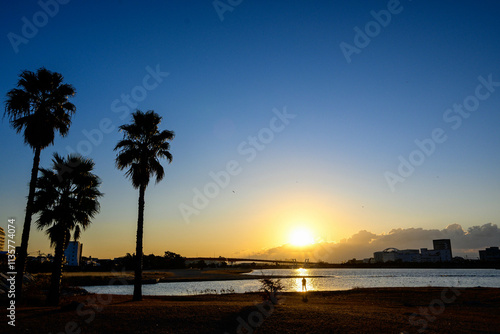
x=376, y=310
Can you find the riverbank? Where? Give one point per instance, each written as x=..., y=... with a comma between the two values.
x=376, y=310
x=155, y=276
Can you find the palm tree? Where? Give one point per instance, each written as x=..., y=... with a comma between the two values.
x=39, y=107
x=64, y=205
x=139, y=152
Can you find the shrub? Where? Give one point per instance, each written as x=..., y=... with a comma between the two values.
x=270, y=289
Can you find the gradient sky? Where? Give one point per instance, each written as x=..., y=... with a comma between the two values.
x=229, y=74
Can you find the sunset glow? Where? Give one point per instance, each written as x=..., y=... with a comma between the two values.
x=301, y=237
x=298, y=138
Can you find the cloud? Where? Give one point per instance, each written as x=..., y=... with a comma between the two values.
x=364, y=243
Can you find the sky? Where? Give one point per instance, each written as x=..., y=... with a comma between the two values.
x=365, y=125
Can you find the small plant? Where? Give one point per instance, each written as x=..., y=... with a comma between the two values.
x=210, y=291
x=270, y=288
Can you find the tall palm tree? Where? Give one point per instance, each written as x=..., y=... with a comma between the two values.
x=64, y=205
x=38, y=107
x=139, y=152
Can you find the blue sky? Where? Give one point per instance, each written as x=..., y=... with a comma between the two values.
x=326, y=168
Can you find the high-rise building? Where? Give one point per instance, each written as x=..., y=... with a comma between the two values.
x=490, y=254
x=2, y=239
x=433, y=255
x=73, y=253
x=444, y=246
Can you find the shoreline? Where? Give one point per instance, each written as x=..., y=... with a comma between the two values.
x=378, y=310
x=171, y=276
x=83, y=279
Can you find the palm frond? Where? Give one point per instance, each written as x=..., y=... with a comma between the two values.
x=39, y=106
x=67, y=201
x=141, y=147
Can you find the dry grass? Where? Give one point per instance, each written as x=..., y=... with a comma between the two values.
x=98, y=274
x=388, y=310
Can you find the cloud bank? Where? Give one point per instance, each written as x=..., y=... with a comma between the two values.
x=364, y=243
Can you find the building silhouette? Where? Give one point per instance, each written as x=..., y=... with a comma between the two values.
x=440, y=253
x=394, y=254
x=73, y=253
x=490, y=254
x=443, y=245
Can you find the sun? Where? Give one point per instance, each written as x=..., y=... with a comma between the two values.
x=301, y=237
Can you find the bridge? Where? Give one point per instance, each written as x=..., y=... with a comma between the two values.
x=232, y=260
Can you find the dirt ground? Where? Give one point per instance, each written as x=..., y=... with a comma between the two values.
x=376, y=310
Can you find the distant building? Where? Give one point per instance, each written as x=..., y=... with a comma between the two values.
x=409, y=255
x=431, y=255
x=73, y=253
x=490, y=254
x=43, y=258
x=388, y=254
x=394, y=254
x=440, y=253
x=443, y=245
x=2, y=239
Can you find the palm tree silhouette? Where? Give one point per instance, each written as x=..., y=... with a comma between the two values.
x=39, y=107
x=64, y=205
x=139, y=152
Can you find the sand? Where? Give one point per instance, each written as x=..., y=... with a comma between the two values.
x=375, y=310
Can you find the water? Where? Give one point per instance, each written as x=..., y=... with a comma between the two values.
x=331, y=279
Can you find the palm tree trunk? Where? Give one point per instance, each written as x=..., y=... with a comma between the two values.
x=138, y=250
x=23, y=251
x=55, y=280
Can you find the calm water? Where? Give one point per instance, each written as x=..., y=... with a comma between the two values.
x=332, y=279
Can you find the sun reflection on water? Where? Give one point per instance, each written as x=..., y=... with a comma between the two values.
x=297, y=283
x=302, y=272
